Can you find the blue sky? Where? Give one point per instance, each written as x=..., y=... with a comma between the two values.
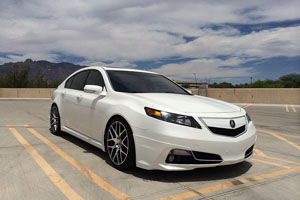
x=217, y=40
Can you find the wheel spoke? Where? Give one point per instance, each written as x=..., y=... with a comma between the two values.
x=121, y=160
x=114, y=131
x=118, y=159
x=124, y=140
x=112, y=137
x=122, y=132
x=110, y=153
x=119, y=130
x=116, y=153
x=121, y=151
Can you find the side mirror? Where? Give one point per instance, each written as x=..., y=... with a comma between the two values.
x=93, y=89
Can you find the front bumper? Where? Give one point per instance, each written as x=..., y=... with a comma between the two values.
x=155, y=140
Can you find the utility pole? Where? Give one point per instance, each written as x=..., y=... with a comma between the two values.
x=196, y=83
x=195, y=78
x=251, y=80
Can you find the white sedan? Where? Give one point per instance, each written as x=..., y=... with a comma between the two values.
x=143, y=119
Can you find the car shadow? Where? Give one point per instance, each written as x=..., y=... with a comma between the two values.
x=196, y=175
x=88, y=148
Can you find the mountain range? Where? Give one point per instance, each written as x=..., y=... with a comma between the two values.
x=51, y=71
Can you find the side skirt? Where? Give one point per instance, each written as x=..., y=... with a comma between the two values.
x=84, y=137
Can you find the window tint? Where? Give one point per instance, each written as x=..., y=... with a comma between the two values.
x=95, y=78
x=69, y=82
x=139, y=82
x=79, y=80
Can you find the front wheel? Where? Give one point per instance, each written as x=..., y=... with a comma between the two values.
x=119, y=144
x=54, y=121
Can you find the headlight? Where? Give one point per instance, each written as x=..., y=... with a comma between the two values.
x=173, y=118
x=248, y=118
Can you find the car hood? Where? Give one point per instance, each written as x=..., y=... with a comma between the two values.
x=187, y=103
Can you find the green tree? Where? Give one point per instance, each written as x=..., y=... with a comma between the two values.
x=222, y=85
x=291, y=80
x=39, y=80
x=55, y=84
x=1, y=81
x=17, y=77
x=287, y=81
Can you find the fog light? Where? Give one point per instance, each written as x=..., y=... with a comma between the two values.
x=181, y=152
x=171, y=158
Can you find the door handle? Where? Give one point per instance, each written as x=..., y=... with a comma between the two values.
x=63, y=94
x=79, y=98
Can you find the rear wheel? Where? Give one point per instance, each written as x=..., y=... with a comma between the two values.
x=54, y=120
x=119, y=144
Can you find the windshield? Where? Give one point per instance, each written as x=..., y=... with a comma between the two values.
x=139, y=82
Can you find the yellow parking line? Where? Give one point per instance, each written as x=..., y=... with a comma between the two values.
x=231, y=184
x=16, y=125
x=84, y=170
x=51, y=173
x=288, y=135
x=281, y=138
x=261, y=154
x=293, y=107
x=270, y=163
x=287, y=108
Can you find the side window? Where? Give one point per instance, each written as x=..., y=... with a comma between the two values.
x=95, y=78
x=69, y=82
x=79, y=80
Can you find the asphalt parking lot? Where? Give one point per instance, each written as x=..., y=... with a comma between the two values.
x=38, y=165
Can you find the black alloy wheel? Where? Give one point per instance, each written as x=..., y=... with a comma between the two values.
x=55, y=121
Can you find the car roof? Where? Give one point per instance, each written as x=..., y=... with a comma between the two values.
x=118, y=69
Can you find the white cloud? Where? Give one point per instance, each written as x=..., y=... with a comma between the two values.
x=263, y=44
x=125, y=31
x=206, y=69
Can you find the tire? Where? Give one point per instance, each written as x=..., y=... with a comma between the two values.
x=55, y=121
x=119, y=144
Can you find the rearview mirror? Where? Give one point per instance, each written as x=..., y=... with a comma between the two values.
x=93, y=89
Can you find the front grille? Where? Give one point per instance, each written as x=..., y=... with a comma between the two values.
x=249, y=152
x=227, y=132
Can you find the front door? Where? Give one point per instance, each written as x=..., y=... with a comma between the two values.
x=92, y=106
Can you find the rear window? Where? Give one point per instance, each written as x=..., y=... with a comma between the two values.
x=79, y=80
x=69, y=82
